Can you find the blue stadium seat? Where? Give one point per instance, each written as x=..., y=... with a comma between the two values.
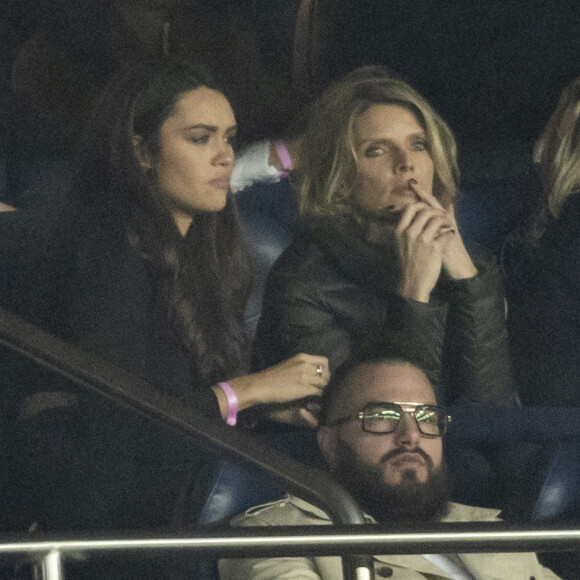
x=560, y=494
x=269, y=217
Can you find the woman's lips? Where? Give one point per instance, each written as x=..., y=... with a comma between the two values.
x=221, y=183
x=396, y=209
x=405, y=191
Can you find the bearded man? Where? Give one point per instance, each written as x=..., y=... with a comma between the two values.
x=381, y=436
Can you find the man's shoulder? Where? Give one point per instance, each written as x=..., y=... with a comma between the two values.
x=291, y=510
x=288, y=511
x=466, y=513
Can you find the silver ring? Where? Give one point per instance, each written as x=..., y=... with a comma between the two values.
x=319, y=370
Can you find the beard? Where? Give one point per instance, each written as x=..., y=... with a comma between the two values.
x=409, y=501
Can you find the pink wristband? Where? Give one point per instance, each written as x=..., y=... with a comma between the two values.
x=284, y=157
x=232, y=403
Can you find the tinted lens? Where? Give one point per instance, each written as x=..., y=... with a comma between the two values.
x=431, y=420
x=379, y=419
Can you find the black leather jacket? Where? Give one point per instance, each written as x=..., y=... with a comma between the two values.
x=543, y=287
x=331, y=292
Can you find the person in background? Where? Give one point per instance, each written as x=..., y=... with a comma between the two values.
x=60, y=69
x=143, y=265
x=381, y=259
x=381, y=436
x=58, y=72
x=271, y=160
x=541, y=267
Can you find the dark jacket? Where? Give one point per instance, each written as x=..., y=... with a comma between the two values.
x=543, y=288
x=332, y=292
x=87, y=464
x=102, y=294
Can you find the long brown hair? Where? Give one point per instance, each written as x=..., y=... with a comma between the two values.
x=205, y=277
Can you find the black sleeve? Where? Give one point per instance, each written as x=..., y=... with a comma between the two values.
x=416, y=330
x=476, y=356
x=116, y=309
x=294, y=319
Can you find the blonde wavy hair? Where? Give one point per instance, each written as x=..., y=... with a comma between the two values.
x=560, y=155
x=327, y=169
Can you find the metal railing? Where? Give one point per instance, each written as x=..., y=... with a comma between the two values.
x=49, y=554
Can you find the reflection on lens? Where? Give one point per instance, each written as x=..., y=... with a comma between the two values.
x=430, y=420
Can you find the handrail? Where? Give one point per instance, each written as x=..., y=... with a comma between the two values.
x=274, y=541
x=344, y=541
x=100, y=376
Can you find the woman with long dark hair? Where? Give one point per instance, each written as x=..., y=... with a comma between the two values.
x=145, y=266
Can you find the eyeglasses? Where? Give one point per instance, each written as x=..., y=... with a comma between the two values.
x=431, y=420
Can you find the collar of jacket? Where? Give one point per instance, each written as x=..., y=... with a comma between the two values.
x=457, y=512
x=343, y=241
x=479, y=565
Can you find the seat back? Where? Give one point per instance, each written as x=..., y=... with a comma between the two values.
x=236, y=489
x=560, y=493
x=269, y=216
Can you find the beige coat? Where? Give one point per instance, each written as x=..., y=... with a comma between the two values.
x=295, y=512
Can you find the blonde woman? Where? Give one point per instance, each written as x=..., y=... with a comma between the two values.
x=381, y=259
x=558, y=152
x=541, y=264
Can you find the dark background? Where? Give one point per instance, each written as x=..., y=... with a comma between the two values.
x=492, y=68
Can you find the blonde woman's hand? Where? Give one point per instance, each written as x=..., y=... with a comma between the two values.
x=456, y=260
x=422, y=234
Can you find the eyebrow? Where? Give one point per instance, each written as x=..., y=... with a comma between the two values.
x=387, y=140
x=211, y=128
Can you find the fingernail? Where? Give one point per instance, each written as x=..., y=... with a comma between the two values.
x=412, y=181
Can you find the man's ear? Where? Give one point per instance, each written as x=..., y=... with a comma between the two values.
x=327, y=443
x=142, y=152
